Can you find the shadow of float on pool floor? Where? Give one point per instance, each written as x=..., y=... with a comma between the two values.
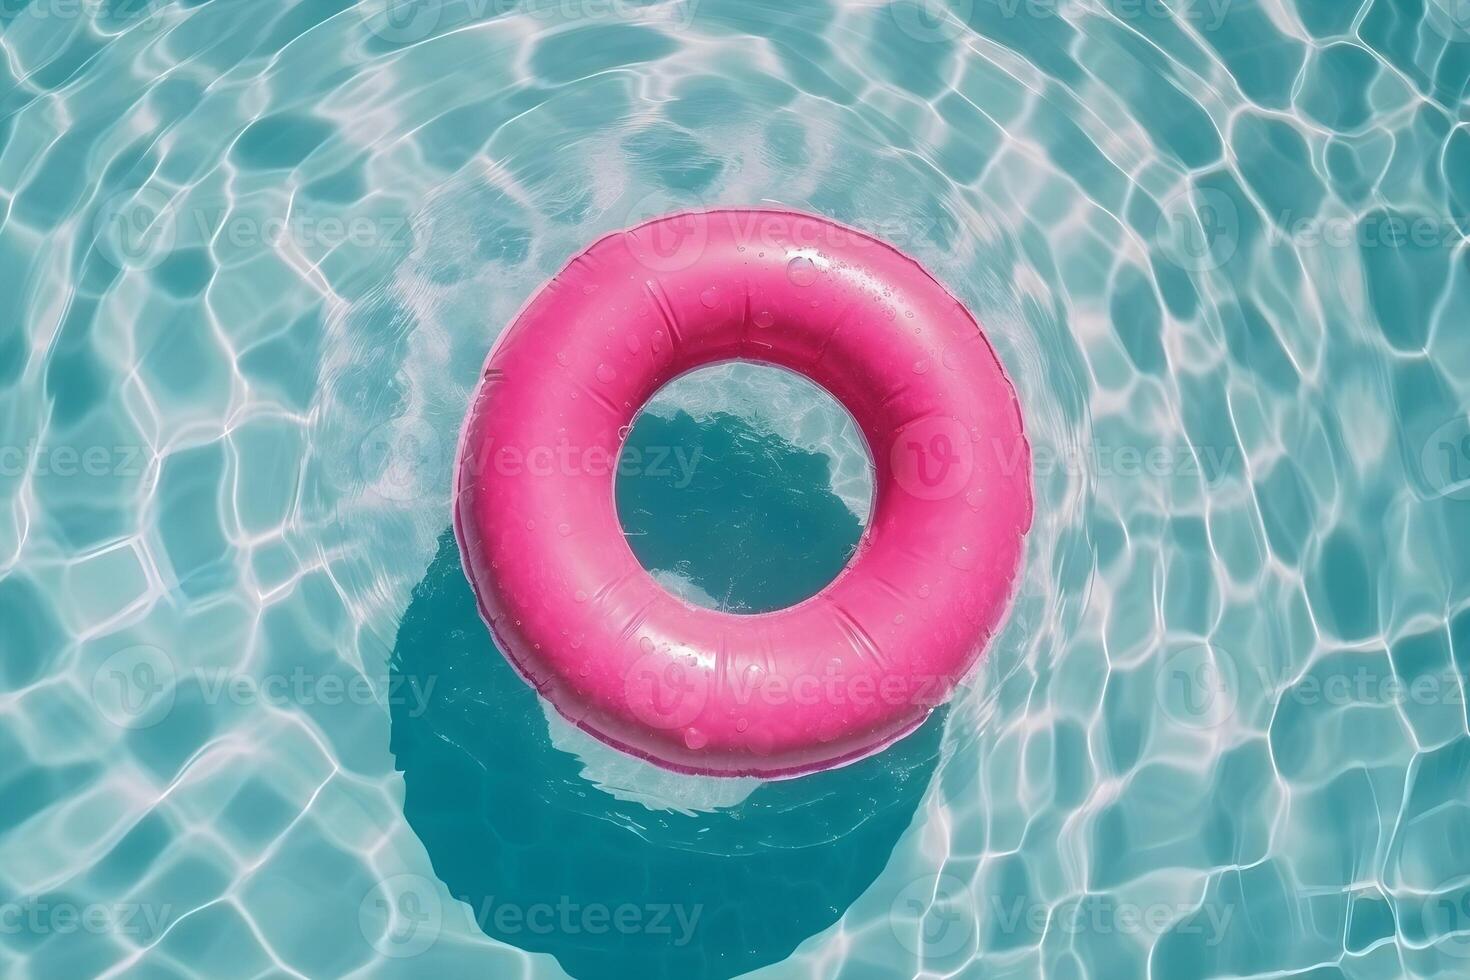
x=511, y=824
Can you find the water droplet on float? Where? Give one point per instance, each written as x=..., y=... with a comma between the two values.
x=764, y=319
x=695, y=739
x=561, y=358
x=974, y=499
x=632, y=343
x=924, y=591
x=564, y=529
x=741, y=724
x=921, y=366
x=951, y=359
x=530, y=525
x=657, y=341
x=710, y=297
x=963, y=558
x=606, y=374
x=802, y=271
x=580, y=596
x=898, y=620
x=646, y=644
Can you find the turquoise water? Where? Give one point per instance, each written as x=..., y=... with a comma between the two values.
x=744, y=487
x=252, y=256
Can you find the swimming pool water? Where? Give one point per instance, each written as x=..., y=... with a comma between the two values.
x=252, y=256
x=728, y=449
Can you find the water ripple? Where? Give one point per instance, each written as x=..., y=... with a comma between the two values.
x=251, y=260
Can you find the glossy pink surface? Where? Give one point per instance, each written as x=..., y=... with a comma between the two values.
x=826, y=681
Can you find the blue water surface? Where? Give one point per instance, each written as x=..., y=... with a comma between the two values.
x=253, y=254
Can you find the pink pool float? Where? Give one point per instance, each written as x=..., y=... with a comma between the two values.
x=835, y=677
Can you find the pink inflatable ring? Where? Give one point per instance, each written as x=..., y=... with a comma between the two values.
x=835, y=677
